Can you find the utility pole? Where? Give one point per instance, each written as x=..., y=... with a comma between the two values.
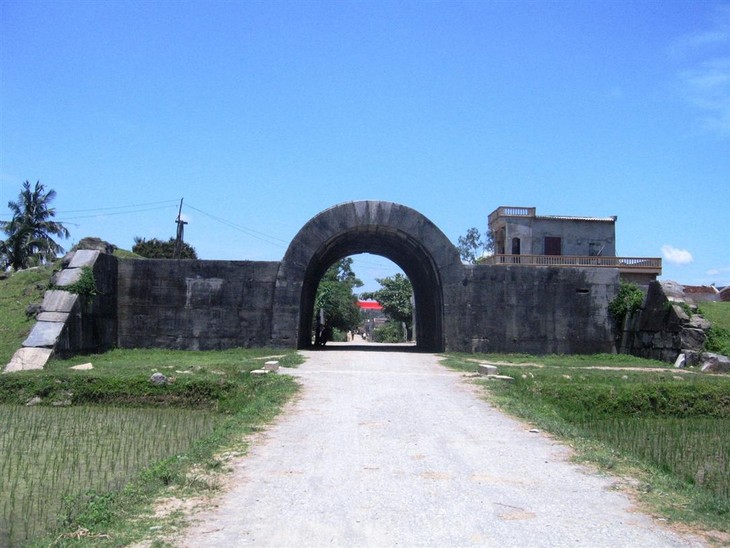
x=177, y=251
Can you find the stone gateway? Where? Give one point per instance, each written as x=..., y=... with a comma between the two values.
x=195, y=304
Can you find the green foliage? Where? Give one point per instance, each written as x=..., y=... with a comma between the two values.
x=335, y=296
x=157, y=249
x=718, y=340
x=29, y=232
x=86, y=284
x=473, y=245
x=629, y=299
x=718, y=336
x=389, y=332
x=395, y=297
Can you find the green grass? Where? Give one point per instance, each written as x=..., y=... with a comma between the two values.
x=101, y=444
x=641, y=419
x=16, y=292
x=718, y=337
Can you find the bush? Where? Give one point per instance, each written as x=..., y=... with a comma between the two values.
x=389, y=332
x=629, y=299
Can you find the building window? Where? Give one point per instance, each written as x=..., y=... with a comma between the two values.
x=515, y=246
x=552, y=245
x=595, y=249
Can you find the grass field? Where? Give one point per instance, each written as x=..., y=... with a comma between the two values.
x=632, y=417
x=101, y=444
x=719, y=335
x=16, y=293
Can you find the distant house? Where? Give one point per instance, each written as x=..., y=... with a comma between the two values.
x=702, y=293
x=523, y=237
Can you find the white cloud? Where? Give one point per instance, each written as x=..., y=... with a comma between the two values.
x=718, y=271
x=676, y=256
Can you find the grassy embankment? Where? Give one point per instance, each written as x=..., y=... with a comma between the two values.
x=85, y=464
x=668, y=430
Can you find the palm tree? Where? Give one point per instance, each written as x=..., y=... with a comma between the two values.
x=29, y=241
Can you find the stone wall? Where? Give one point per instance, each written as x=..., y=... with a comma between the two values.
x=532, y=310
x=197, y=305
x=664, y=326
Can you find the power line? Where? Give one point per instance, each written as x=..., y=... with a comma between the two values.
x=120, y=207
x=273, y=240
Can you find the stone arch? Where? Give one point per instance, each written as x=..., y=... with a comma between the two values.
x=394, y=231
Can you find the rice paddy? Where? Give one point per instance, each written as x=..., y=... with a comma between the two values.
x=53, y=459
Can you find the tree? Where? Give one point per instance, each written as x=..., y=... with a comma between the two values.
x=157, y=249
x=473, y=246
x=29, y=232
x=395, y=296
x=335, y=296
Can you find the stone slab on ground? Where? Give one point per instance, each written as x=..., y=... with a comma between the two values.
x=44, y=334
x=487, y=369
x=26, y=359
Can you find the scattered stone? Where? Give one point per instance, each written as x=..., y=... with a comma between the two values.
x=35, y=400
x=715, y=363
x=272, y=366
x=680, y=361
x=500, y=378
x=487, y=369
x=259, y=372
x=625, y=377
x=61, y=403
x=534, y=431
x=158, y=378
x=95, y=244
x=677, y=378
x=82, y=367
x=33, y=309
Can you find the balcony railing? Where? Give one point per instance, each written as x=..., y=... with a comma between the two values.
x=648, y=265
x=511, y=211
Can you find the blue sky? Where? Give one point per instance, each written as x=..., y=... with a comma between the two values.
x=262, y=114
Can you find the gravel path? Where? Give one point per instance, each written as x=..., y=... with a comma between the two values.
x=392, y=449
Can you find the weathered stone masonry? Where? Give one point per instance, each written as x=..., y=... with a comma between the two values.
x=205, y=305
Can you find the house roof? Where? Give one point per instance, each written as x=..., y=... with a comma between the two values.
x=369, y=305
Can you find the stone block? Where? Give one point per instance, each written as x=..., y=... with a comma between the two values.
x=44, y=334
x=82, y=367
x=487, y=369
x=272, y=366
x=83, y=257
x=259, y=372
x=66, y=277
x=26, y=359
x=52, y=317
x=57, y=300
x=715, y=363
x=680, y=361
x=692, y=338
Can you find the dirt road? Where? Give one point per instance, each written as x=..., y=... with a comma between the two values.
x=392, y=449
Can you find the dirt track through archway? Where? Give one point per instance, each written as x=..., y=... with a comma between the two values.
x=386, y=449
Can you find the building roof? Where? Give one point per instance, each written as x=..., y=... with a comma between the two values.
x=369, y=305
